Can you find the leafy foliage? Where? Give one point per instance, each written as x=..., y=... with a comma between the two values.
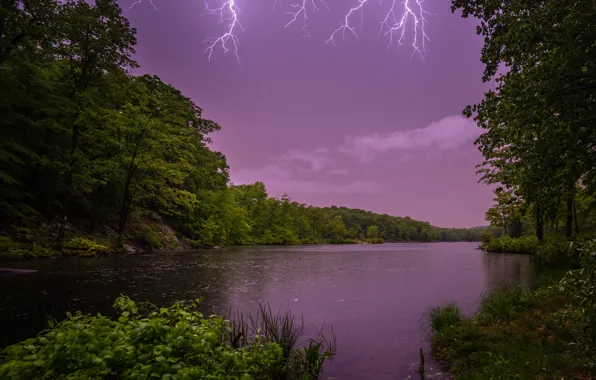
x=538, y=140
x=168, y=343
x=505, y=244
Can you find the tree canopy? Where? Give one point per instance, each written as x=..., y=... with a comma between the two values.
x=539, y=140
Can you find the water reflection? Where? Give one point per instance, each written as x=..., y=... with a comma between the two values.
x=375, y=296
x=506, y=269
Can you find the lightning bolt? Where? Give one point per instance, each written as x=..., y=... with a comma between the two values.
x=345, y=26
x=300, y=11
x=137, y=2
x=228, y=13
x=395, y=26
x=404, y=20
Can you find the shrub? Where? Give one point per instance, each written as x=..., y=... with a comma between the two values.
x=148, y=342
x=579, y=288
x=555, y=252
x=10, y=249
x=342, y=241
x=147, y=237
x=82, y=246
x=526, y=244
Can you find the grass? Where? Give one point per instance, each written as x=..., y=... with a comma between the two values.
x=302, y=360
x=444, y=317
x=514, y=335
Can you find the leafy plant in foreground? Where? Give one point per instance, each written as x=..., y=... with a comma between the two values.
x=149, y=342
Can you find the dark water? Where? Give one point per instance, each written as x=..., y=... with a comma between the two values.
x=375, y=296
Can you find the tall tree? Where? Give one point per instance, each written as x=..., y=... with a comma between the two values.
x=94, y=39
x=538, y=136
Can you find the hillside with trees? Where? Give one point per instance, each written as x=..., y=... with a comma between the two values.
x=95, y=157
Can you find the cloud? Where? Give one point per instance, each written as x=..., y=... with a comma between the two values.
x=446, y=134
x=305, y=171
x=244, y=176
x=340, y=172
x=316, y=159
x=296, y=186
x=279, y=180
x=287, y=175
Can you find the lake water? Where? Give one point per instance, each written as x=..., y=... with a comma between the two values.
x=375, y=296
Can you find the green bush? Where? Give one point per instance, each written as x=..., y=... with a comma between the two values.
x=10, y=249
x=375, y=240
x=526, y=244
x=82, y=246
x=342, y=241
x=555, y=252
x=148, y=237
x=578, y=286
x=163, y=343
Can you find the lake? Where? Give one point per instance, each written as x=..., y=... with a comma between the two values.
x=375, y=296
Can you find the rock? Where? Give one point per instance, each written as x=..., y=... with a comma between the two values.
x=129, y=248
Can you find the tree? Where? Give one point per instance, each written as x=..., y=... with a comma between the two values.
x=162, y=136
x=337, y=228
x=538, y=137
x=26, y=22
x=93, y=40
x=506, y=212
x=372, y=232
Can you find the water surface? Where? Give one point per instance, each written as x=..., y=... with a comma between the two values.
x=375, y=296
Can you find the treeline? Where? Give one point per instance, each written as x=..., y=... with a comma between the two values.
x=282, y=221
x=539, y=138
x=86, y=144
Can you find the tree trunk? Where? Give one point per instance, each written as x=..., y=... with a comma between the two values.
x=126, y=201
x=539, y=224
x=126, y=196
x=123, y=217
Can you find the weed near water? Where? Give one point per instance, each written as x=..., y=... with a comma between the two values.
x=176, y=342
x=285, y=330
x=443, y=317
x=514, y=335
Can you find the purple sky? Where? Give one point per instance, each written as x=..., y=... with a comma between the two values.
x=354, y=124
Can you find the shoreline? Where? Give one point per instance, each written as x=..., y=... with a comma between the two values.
x=90, y=247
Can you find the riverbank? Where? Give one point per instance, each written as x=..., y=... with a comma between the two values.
x=548, y=333
x=145, y=341
x=147, y=236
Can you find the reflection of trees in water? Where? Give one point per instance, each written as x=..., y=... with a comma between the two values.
x=91, y=286
x=509, y=269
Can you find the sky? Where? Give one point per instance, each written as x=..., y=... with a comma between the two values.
x=356, y=124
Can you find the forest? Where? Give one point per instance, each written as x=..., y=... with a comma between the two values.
x=91, y=151
x=538, y=144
